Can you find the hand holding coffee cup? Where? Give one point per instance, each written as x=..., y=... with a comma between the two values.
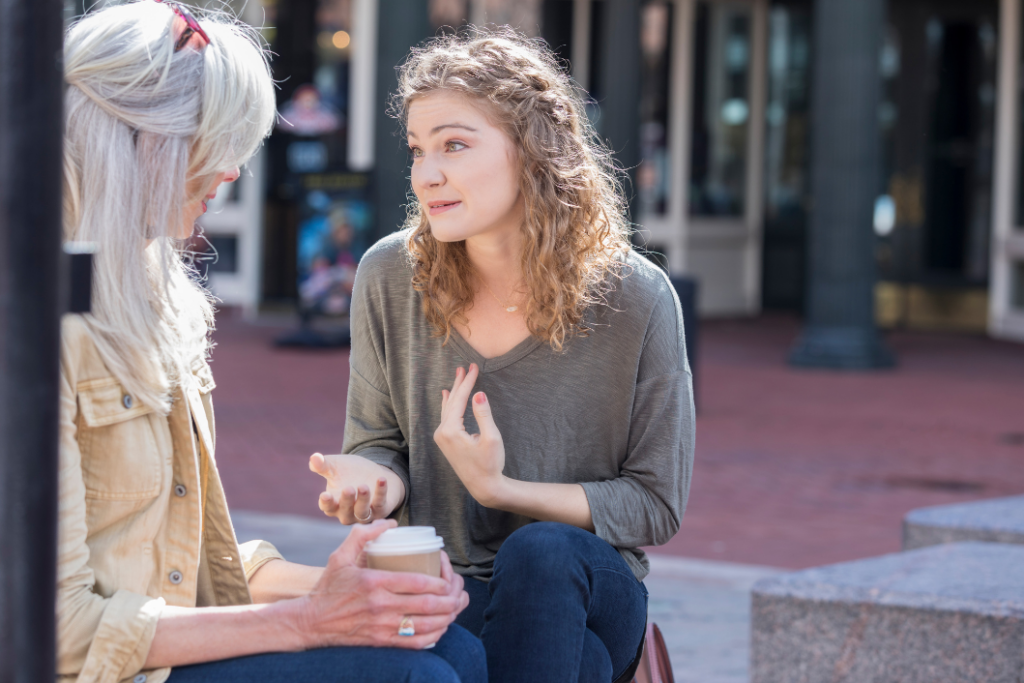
x=409, y=549
x=357, y=606
x=358, y=491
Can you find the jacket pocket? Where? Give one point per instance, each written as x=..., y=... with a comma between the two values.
x=121, y=458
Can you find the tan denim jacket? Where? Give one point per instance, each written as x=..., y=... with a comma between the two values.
x=143, y=519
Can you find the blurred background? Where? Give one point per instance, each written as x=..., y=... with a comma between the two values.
x=709, y=105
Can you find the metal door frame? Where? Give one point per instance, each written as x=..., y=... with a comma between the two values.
x=1005, y=321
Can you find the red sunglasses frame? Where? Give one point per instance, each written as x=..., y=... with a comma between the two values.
x=191, y=25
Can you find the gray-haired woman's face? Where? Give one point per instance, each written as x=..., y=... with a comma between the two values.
x=464, y=169
x=196, y=208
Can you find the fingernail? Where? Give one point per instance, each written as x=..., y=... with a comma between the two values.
x=382, y=482
x=481, y=399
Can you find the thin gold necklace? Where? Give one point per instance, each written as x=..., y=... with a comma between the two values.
x=504, y=304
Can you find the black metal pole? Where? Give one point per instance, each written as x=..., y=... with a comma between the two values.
x=840, y=330
x=30, y=236
x=401, y=25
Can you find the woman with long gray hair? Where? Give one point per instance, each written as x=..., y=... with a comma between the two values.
x=161, y=110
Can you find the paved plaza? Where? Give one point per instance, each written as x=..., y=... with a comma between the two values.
x=794, y=468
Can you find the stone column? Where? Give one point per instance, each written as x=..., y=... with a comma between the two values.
x=401, y=25
x=839, y=331
x=619, y=69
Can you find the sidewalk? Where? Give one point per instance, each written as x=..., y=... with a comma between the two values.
x=794, y=468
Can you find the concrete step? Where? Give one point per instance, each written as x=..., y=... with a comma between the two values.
x=1000, y=520
x=950, y=613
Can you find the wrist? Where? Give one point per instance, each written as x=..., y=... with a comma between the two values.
x=498, y=494
x=297, y=623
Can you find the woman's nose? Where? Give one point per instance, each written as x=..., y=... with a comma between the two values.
x=232, y=175
x=428, y=174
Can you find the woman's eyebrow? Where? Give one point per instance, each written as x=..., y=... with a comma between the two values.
x=435, y=129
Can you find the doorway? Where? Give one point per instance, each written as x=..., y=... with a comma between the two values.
x=699, y=182
x=939, y=64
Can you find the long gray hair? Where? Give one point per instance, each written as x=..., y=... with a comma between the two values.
x=141, y=122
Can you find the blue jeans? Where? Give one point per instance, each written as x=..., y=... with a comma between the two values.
x=562, y=606
x=457, y=658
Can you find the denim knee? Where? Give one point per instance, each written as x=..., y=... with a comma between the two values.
x=539, y=550
x=432, y=670
x=465, y=653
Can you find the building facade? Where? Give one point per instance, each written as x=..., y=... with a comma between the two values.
x=722, y=178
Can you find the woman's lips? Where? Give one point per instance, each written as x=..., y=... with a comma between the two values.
x=435, y=209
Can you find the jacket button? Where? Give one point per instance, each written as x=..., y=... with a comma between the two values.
x=180, y=491
x=127, y=401
x=175, y=577
x=141, y=678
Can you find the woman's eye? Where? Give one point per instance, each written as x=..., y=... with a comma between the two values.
x=455, y=146
x=415, y=152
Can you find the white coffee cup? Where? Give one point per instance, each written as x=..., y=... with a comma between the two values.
x=406, y=549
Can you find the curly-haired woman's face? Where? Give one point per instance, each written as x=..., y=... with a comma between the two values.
x=464, y=169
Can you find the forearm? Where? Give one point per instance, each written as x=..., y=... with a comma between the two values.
x=565, y=503
x=282, y=580
x=193, y=635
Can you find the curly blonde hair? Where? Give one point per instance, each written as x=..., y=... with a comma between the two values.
x=575, y=231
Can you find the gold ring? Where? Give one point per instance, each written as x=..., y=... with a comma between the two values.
x=406, y=628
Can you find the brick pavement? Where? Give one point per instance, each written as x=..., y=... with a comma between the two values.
x=794, y=468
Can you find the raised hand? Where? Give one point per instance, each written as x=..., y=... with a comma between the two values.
x=478, y=459
x=352, y=605
x=358, y=491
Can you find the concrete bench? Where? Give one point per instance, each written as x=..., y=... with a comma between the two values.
x=1000, y=520
x=950, y=613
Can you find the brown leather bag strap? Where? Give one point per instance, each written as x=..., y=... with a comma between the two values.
x=655, y=666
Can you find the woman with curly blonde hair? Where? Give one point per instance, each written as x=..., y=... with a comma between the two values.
x=577, y=451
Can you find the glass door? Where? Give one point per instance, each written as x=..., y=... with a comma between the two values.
x=702, y=136
x=724, y=211
x=1006, y=295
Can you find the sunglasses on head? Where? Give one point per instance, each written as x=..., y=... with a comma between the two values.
x=192, y=26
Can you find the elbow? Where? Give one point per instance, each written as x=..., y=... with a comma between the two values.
x=664, y=532
x=75, y=630
x=665, y=522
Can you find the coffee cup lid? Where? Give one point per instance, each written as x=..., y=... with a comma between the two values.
x=406, y=540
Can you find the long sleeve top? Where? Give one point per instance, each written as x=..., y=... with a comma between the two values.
x=613, y=411
x=142, y=517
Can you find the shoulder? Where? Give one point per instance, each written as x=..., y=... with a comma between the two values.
x=643, y=290
x=383, y=286
x=386, y=260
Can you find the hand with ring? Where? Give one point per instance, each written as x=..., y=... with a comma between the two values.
x=355, y=606
x=358, y=490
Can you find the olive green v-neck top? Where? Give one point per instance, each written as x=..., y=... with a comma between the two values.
x=613, y=411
